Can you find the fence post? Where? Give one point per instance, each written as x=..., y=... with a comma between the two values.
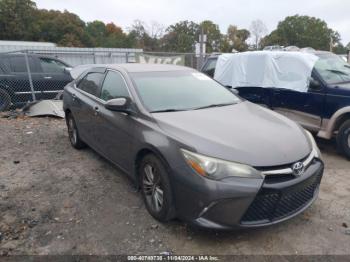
x=127, y=57
x=29, y=76
x=94, y=55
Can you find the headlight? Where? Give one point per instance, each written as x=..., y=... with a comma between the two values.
x=316, y=150
x=217, y=169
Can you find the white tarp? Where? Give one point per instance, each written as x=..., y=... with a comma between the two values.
x=291, y=70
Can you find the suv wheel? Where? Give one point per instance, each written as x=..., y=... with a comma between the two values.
x=155, y=188
x=343, y=138
x=73, y=133
x=5, y=100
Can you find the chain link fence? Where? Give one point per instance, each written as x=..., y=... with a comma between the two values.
x=31, y=75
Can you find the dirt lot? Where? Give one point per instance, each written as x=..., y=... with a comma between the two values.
x=57, y=200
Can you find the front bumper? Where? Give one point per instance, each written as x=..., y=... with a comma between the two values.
x=243, y=202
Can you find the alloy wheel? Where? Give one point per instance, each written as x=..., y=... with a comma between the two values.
x=72, y=131
x=152, y=188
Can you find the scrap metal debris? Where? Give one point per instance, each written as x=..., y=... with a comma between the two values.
x=44, y=108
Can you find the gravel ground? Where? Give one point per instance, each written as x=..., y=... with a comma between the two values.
x=57, y=200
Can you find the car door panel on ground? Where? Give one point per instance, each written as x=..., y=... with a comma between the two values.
x=114, y=129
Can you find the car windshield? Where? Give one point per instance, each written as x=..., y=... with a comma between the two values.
x=180, y=90
x=333, y=69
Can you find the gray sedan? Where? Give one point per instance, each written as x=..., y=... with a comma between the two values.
x=196, y=150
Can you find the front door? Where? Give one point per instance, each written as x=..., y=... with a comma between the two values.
x=305, y=108
x=257, y=95
x=114, y=129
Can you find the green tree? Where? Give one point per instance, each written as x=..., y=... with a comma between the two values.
x=235, y=39
x=63, y=28
x=340, y=49
x=17, y=20
x=302, y=31
x=180, y=37
x=95, y=33
x=146, y=36
x=214, y=36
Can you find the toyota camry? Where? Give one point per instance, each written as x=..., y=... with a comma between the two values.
x=195, y=149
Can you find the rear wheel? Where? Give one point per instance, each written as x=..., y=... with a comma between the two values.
x=343, y=138
x=5, y=100
x=155, y=188
x=73, y=133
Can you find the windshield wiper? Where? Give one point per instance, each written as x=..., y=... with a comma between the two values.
x=167, y=110
x=213, y=105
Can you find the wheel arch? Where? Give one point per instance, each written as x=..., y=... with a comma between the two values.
x=333, y=124
x=340, y=120
x=141, y=153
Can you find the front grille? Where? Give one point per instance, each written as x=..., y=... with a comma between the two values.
x=273, y=204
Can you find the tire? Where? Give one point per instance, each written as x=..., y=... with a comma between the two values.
x=156, y=189
x=343, y=138
x=5, y=100
x=73, y=133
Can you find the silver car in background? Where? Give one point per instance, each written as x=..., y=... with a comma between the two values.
x=196, y=150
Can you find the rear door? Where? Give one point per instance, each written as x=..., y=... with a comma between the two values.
x=55, y=77
x=306, y=108
x=19, y=79
x=85, y=103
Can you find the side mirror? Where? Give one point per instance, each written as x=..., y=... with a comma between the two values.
x=314, y=84
x=120, y=104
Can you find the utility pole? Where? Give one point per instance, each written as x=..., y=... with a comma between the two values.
x=202, y=41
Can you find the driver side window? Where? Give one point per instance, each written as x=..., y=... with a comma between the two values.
x=114, y=86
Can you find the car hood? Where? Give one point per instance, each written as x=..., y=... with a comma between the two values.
x=244, y=133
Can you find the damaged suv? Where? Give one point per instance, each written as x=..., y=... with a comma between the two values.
x=312, y=89
x=196, y=150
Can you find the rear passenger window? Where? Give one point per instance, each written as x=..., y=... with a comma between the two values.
x=114, y=86
x=91, y=83
x=18, y=64
x=51, y=65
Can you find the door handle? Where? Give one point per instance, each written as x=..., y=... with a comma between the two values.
x=47, y=77
x=74, y=96
x=97, y=110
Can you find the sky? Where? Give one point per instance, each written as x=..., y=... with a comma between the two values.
x=336, y=13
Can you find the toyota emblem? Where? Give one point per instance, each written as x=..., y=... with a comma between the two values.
x=298, y=168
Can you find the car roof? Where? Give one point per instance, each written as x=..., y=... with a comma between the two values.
x=135, y=67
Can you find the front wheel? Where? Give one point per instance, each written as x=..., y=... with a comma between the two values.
x=155, y=188
x=343, y=138
x=73, y=133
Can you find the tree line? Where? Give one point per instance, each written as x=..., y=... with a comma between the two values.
x=22, y=20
